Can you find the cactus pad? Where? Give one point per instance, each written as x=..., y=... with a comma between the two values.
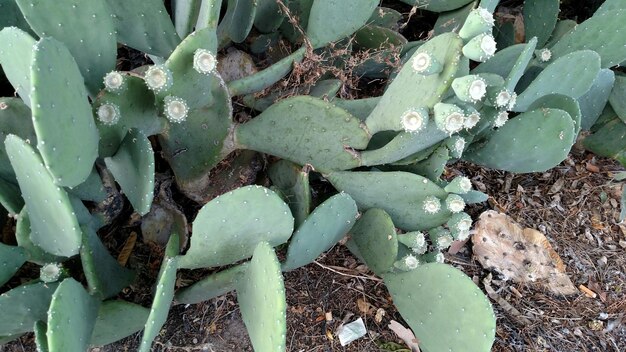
x=11, y=259
x=71, y=317
x=328, y=224
x=293, y=185
x=401, y=194
x=328, y=21
x=133, y=168
x=306, y=130
x=429, y=296
x=66, y=133
x=375, y=239
x=593, y=102
x=54, y=227
x=211, y=286
x=261, y=297
x=25, y=305
x=540, y=18
x=116, y=320
x=16, y=51
x=229, y=227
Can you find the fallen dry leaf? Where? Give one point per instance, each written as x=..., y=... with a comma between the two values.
x=522, y=255
x=122, y=258
x=363, y=306
x=405, y=335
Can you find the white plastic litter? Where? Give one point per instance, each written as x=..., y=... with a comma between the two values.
x=350, y=332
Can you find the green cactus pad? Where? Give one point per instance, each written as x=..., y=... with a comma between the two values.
x=137, y=110
x=540, y=18
x=261, y=297
x=452, y=21
x=71, y=317
x=375, y=37
x=41, y=339
x=237, y=21
x=301, y=10
x=11, y=259
x=385, y=17
x=15, y=118
x=558, y=78
x=54, y=227
x=16, y=51
x=516, y=147
x=401, y=194
x=617, y=96
x=185, y=13
x=25, y=305
x=411, y=90
x=116, y=320
x=268, y=17
x=208, y=14
x=163, y=295
x=22, y=235
x=562, y=102
x=144, y=25
x=214, y=285
x=503, y=61
x=267, y=77
x=306, y=130
x=133, y=168
x=194, y=86
x=92, y=189
x=66, y=133
x=194, y=147
x=433, y=167
x=105, y=276
x=609, y=141
x=374, y=237
x=593, y=102
x=10, y=197
x=443, y=307
x=328, y=224
x=229, y=227
x=86, y=28
x=293, y=184
x=520, y=65
x=585, y=36
x=10, y=15
x=359, y=108
x=328, y=21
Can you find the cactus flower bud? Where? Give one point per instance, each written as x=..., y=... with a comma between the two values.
x=108, y=113
x=501, y=119
x=459, y=223
x=431, y=205
x=449, y=118
x=414, y=239
x=158, y=78
x=544, y=55
x=472, y=116
x=479, y=20
x=176, y=109
x=114, y=82
x=409, y=262
x=424, y=64
x=414, y=120
x=459, y=185
x=50, y=272
x=204, y=61
x=433, y=257
x=481, y=48
x=470, y=88
x=455, y=203
x=456, y=146
x=440, y=237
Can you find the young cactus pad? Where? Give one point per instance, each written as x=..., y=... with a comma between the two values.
x=228, y=228
x=22, y=236
x=374, y=236
x=71, y=317
x=516, y=147
x=133, y=168
x=212, y=286
x=443, y=307
x=105, y=276
x=16, y=61
x=54, y=227
x=11, y=259
x=401, y=194
x=292, y=182
x=261, y=297
x=328, y=224
x=163, y=295
x=67, y=137
x=306, y=130
x=86, y=28
x=117, y=319
x=411, y=90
